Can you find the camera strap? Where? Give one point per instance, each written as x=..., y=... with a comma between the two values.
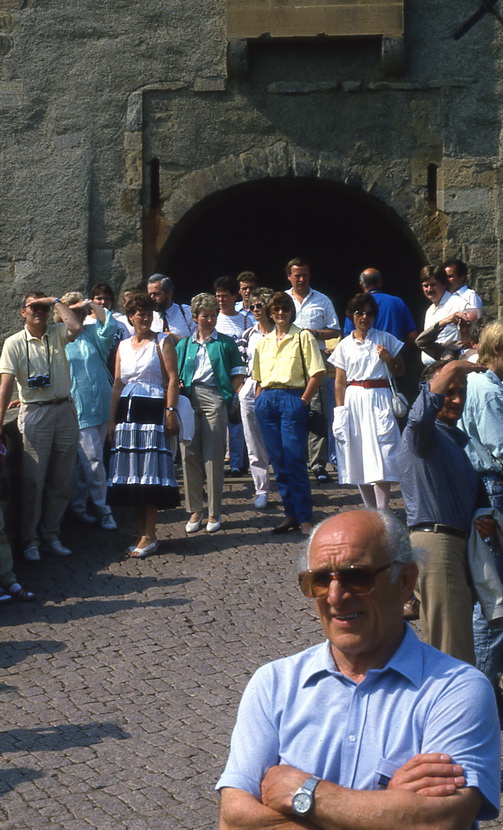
x=48, y=353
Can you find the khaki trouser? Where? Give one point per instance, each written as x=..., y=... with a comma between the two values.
x=445, y=594
x=206, y=452
x=50, y=435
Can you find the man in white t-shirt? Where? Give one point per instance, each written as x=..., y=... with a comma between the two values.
x=457, y=274
x=435, y=285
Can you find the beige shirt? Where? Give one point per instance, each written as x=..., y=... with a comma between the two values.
x=23, y=353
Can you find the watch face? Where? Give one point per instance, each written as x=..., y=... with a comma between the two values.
x=301, y=802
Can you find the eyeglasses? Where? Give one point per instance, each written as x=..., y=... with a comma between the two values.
x=364, y=314
x=357, y=579
x=256, y=306
x=37, y=308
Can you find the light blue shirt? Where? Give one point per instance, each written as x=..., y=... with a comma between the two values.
x=482, y=420
x=302, y=711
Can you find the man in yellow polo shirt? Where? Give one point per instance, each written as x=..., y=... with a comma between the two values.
x=35, y=357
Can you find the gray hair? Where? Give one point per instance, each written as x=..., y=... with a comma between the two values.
x=167, y=283
x=203, y=302
x=397, y=539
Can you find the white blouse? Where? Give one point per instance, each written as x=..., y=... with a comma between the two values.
x=360, y=360
x=141, y=369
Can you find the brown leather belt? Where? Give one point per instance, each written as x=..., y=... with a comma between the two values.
x=432, y=527
x=370, y=384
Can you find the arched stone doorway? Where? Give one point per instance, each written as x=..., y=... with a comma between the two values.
x=259, y=225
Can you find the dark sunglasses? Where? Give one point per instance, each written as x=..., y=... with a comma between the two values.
x=38, y=307
x=364, y=314
x=357, y=579
x=256, y=306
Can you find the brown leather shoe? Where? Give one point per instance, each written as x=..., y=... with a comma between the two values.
x=411, y=609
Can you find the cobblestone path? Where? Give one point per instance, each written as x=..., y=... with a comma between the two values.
x=120, y=685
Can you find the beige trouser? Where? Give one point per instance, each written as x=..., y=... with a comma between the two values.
x=206, y=452
x=50, y=436
x=446, y=597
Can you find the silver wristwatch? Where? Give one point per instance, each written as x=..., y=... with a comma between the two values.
x=302, y=800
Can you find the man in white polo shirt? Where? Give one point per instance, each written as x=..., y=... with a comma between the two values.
x=316, y=313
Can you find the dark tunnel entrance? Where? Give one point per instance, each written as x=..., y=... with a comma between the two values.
x=260, y=225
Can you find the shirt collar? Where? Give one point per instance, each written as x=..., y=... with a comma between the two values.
x=457, y=434
x=407, y=661
x=33, y=336
x=212, y=336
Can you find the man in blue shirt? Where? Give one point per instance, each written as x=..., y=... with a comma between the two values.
x=393, y=316
x=373, y=729
x=440, y=489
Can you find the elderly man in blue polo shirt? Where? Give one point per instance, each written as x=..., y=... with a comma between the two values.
x=371, y=730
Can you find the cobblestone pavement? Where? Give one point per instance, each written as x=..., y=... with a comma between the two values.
x=120, y=686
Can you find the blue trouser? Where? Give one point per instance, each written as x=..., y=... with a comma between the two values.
x=489, y=642
x=283, y=422
x=236, y=447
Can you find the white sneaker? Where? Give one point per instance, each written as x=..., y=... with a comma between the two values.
x=261, y=501
x=107, y=522
x=31, y=554
x=56, y=547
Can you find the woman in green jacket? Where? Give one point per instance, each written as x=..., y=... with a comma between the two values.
x=211, y=371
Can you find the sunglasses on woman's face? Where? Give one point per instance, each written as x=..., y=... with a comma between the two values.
x=356, y=579
x=364, y=314
x=256, y=306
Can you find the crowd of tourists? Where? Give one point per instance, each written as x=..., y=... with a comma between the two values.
x=107, y=401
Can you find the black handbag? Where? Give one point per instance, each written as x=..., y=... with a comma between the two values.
x=316, y=421
x=234, y=410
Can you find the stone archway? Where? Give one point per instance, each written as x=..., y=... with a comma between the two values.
x=260, y=224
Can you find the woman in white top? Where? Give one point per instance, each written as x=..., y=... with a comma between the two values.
x=365, y=429
x=142, y=414
x=257, y=453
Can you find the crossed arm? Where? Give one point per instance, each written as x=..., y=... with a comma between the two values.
x=426, y=793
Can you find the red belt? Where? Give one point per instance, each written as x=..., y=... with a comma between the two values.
x=370, y=384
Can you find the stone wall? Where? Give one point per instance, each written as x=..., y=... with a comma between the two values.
x=90, y=95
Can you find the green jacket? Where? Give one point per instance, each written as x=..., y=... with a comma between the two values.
x=224, y=356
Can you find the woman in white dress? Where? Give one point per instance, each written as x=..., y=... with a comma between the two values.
x=365, y=429
x=142, y=415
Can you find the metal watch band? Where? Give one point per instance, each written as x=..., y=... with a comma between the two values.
x=310, y=783
x=302, y=800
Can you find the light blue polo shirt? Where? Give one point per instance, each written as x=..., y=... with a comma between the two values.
x=301, y=711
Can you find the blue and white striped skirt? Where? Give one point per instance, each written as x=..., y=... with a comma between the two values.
x=141, y=462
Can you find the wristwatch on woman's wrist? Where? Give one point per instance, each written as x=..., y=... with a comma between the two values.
x=170, y=409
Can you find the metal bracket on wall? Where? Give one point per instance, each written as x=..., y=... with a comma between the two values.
x=237, y=59
x=393, y=54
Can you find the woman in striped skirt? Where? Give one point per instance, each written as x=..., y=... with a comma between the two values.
x=142, y=416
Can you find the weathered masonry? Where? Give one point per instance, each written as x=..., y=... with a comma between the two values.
x=204, y=137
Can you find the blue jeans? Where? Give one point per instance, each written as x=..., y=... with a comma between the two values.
x=488, y=642
x=236, y=447
x=282, y=419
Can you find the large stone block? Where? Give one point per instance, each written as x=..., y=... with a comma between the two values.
x=476, y=201
x=308, y=18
